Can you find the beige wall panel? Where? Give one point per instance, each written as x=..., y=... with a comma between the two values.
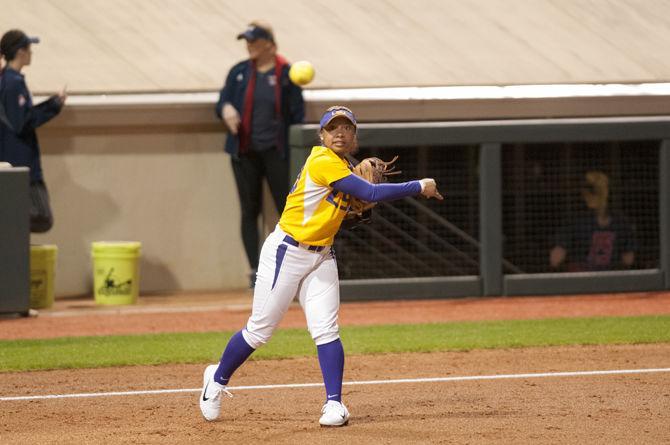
x=173, y=192
x=158, y=174
x=117, y=46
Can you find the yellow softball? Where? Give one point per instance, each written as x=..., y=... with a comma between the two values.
x=301, y=73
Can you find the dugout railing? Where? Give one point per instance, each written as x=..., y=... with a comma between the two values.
x=507, y=184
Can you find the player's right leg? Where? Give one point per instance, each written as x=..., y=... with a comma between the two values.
x=211, y=394
x=280, y=271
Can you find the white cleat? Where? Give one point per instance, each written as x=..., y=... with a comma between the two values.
x=210, y=396
x=334, y=414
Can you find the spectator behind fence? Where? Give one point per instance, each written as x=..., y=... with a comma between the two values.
x=18, y=120
x=258, y=103
x=599, y=240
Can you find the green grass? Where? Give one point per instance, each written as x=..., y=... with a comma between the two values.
x=91, y=352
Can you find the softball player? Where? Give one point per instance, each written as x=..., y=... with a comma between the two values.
x=297, y=259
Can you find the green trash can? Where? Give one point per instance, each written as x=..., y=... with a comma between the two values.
x=116, y=272
x=42, y=274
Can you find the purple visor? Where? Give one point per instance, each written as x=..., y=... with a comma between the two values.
x=335, y=112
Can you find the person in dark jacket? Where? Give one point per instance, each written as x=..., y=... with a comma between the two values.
x=258, y=104
x=18, y=120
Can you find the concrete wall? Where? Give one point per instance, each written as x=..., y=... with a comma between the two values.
x=151, y=168
x=142, y=179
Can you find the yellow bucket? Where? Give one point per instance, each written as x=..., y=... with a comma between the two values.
x=116, y=272
x=42, y=273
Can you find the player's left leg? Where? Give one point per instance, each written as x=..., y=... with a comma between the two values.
x=320, y=298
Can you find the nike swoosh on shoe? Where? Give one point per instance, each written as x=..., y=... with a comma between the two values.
x=204, y=393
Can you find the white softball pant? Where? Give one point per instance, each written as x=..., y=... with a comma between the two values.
x=285, y=270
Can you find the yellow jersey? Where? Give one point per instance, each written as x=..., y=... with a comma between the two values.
x=314, y=211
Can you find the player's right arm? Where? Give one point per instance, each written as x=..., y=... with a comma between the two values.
x=366, y=191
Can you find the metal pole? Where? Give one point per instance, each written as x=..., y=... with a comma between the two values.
x=664, y=209
x=490, y=218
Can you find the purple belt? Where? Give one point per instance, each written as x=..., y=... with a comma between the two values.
x=288, y=239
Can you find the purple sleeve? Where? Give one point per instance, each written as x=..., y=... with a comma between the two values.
x=362, y=189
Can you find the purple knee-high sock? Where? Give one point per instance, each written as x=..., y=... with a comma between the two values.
x=331, y=359
x=237, y=352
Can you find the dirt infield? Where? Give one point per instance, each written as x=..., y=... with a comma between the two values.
x=622, y=408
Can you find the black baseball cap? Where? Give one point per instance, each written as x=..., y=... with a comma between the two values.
x=255, y=32
x=13, y=40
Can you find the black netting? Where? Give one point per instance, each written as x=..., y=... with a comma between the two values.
x=546, y=188
x=416, y=237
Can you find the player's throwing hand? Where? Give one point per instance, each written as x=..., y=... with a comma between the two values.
x=429, y=189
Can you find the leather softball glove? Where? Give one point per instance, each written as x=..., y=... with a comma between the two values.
x=375, y=171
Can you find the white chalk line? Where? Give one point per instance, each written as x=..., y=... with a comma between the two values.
x=362, y=382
